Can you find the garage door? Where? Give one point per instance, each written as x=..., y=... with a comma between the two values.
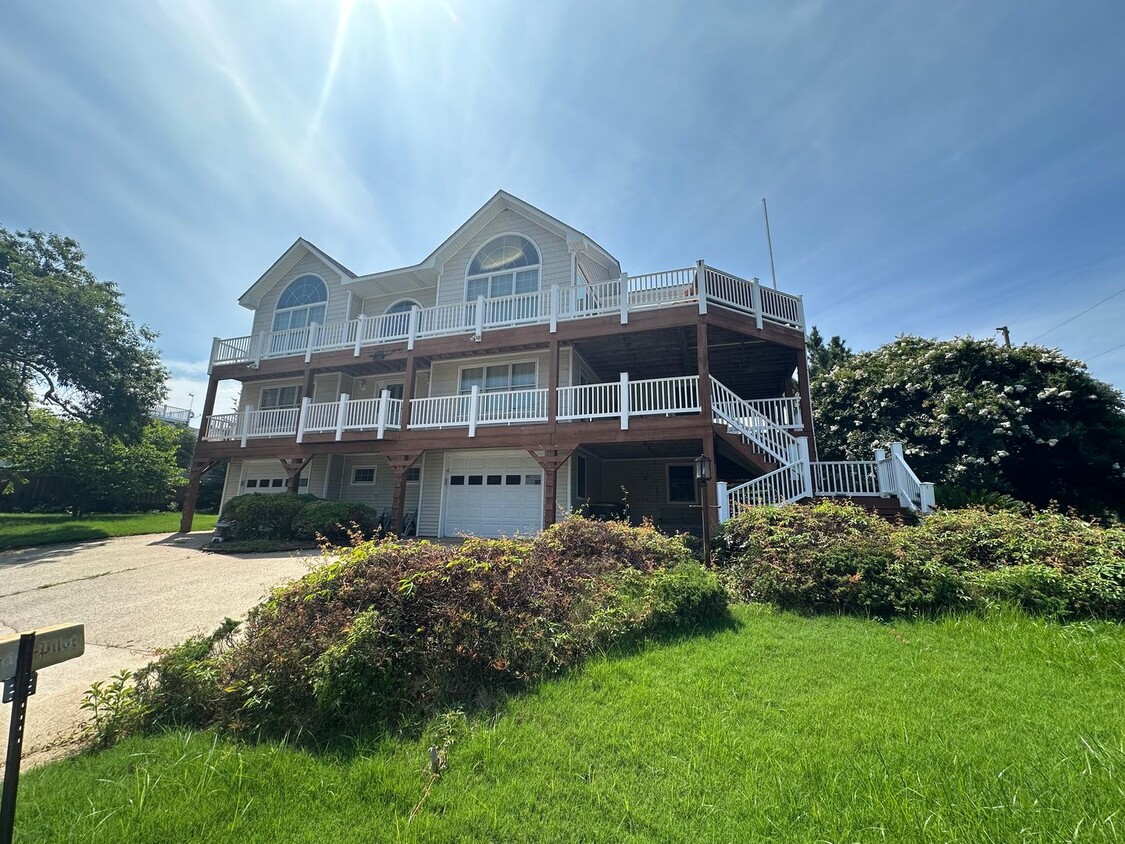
x=495, y=494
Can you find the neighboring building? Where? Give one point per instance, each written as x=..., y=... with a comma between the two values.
x=517, y=374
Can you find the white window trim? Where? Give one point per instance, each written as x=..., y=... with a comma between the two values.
x=414, y=303
x=529, y=239
x=278, y=388
x=327, y=300
x=508, y=363
x=374, y=476
x=668, y=485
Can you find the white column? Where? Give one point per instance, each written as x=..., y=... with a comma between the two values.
x=701, y=285
x=623, y=401
x=479, y=327
x=360, y=330
x=215, y=352
x=412, y=328
x=302, y=417
x=553, y=307
x=883, y=473
x=474, y=409
x=246, y=414
x=806, y=465
x=259, y=347
x=311, y=342
x=341, y=416
x=384, y=407
x=623, y=295
x=756, y=299
x=724, y=501
x=801, y=311
x=927, y=497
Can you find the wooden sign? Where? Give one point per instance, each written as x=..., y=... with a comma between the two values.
x=52, y=646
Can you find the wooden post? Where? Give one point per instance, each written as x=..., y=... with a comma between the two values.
x=401, y=463
x=703, y=367
x=553, y=381
x=806, y=401
x=550, y=485
x=191, y=494
x=711, y=510
x=408, y=390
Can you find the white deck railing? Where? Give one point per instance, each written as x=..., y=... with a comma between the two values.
x=781, y=486
x=784, y=412
x=754, y=427
x=846, y=477
x=624, y=295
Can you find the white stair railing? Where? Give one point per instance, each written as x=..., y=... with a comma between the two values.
x=755, y=428
x=781, y=486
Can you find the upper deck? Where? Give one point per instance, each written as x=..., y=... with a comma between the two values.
x=697, y=287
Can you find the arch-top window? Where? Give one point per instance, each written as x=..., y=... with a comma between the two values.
x=302, y=303
x=403, y=306
x=505, y=265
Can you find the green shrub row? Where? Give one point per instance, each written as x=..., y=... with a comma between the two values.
x=281, y=517
x=833, y=557
x=390, y=630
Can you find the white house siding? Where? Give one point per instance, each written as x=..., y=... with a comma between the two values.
x=594, y=271
x=552, y=253
x=336, y=310
x=445, y=375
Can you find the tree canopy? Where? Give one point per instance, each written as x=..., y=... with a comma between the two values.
x=80, y=467
x=824, y=356
x=67, y=341
x=1024, y=420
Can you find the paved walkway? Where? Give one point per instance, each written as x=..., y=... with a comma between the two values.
x=134, y=594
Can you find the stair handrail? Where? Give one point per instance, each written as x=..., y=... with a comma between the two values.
x=781, y=486
x=734, y=410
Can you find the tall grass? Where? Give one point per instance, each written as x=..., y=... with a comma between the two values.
x=25, y=530
x=826, y=729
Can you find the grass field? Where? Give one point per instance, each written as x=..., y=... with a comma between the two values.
x=826, y=729
x=23, y=530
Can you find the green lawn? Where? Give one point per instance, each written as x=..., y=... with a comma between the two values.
x=22, y=530
x=829, y=729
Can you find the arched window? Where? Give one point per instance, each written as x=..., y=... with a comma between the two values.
x=402, y=306
x=396, y=318
x=302, y=303
x=505, y=265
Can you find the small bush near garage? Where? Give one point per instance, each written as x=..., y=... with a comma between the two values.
x=335, y=521
x=393, y=631
x=839, y=558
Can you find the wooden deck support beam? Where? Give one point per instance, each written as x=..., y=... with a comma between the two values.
x=199, y=468
x=549, y=461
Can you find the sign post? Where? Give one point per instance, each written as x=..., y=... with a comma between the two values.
x=20, y=658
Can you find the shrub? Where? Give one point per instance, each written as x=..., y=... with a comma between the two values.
x=334, y=520
x=259, y=515
x=396, y=630
x=1038, y=589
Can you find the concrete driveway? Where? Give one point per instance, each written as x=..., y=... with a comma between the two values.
x=135, y=594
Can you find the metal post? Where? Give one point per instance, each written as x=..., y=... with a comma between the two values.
x=21, y=688
x=706, y=523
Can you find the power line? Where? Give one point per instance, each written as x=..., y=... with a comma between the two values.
x=1106, y=352
x=1073, y=318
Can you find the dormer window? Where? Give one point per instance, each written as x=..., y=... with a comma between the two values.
x=506, y=265
x=302, y=304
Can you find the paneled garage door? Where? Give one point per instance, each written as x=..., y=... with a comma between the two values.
x=492, y=494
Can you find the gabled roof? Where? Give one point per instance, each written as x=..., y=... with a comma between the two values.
x=425, y=273
x=300, y=248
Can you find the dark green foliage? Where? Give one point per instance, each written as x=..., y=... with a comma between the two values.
x=839, y=558
x=335, y=521
x=1026, y=420
x=66, y=339
x=396, y=630
x=260, y=515
x=953, y=497
x=824, y=357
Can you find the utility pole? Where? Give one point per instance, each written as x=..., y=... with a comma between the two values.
x=1003, y=329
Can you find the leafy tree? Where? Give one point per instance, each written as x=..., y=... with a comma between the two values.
x=66, y=340
x=1026, y=420
x=92, y=470
x=824, y=356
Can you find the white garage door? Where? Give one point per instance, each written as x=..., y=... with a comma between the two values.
x=493, y=494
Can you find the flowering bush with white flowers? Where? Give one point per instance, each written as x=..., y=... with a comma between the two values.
x=1026, y=420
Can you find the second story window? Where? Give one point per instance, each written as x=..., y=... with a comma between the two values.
x=302, y=303
x=506, y=265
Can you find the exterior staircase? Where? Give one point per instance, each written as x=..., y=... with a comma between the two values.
x=872, y=483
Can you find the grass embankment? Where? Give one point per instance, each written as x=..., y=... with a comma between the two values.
x=24, y=530
x=832, y=729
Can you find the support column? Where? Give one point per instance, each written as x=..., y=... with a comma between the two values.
x=549, y=461
x=408, y=390
x=806, y=401
x=401, y=463
x=703, y=367
x=553, y=382
x=293, y=467
x=307, y=385
x=710, y=505
x=198, y=469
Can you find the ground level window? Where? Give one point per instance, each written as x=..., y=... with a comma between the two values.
x=363, y=475
x=413, y=475
x=681, y=484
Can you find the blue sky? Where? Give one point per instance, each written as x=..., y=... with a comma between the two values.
x=933, y=168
